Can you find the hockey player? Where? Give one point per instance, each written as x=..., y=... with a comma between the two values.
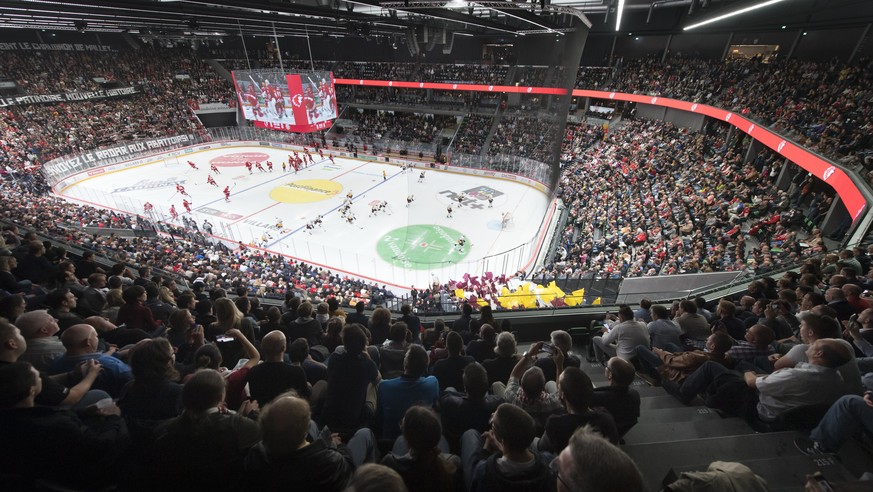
x=173, y=213
x=490, y=201
x=421, y=177
x=318, y=220
x=384, y=175
x=147, y=208
x=210, y=180
x=260, y=166
x=214, y=168
x=309, y=227
x=375, y=208
x=310, y=159
x=449, y=212
x=331, y=159
x=409, y=200
x=279, y=224
x=249, y=166
x=193, y=166
x=181, y=190
x=284, y=166
x=187, y=205
x=270, y=165
x=227, y=193
x=321, y=153
x=460, y=200
x=461, y=242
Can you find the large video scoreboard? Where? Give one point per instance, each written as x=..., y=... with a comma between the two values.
x=294, y=102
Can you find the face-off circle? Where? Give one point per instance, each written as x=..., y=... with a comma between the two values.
x=422, y=247
x=238, y=159
x=306, y=191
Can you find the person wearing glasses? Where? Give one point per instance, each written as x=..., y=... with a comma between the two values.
x=590, y=461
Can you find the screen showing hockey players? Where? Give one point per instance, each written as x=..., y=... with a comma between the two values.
x=300, y=102
x=316, y=96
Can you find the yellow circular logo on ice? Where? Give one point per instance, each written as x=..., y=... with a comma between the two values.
x=306, y=191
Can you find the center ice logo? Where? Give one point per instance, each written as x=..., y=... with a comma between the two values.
x=306, y=191
x=422, y=247
x=474, y=197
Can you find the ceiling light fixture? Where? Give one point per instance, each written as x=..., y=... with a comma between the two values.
x=732, y=14
x=619, y=11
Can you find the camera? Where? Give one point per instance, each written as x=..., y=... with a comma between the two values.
x=548, y=348
x=224, y=339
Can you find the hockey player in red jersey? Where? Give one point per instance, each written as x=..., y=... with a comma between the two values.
x=211, y=181
x=227, y=193
x=187, y=205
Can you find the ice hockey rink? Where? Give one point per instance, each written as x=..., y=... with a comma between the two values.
x=399, y=245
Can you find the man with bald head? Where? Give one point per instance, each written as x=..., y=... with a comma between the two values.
x=273, y=376
x=81, y=343
x=40, y=330
x=285, y=455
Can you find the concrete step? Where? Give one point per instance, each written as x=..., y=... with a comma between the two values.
x=655, y=458
x=666, y=432
x=662, y=401
x=683, y=414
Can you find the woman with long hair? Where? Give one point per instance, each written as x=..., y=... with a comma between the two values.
x=228, y=317
x=379, y=326
x=417, y=456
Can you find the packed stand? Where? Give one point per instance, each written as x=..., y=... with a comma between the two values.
x=652, y=199
x=824, y=106
x=374, y=70
x=524, y=137
x=471, y=134
x=408, y=127
x=35, y=134
x=56, y=72
x=464, y=74
x=595, y=78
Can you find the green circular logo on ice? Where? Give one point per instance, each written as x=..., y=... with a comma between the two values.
x=422, y=247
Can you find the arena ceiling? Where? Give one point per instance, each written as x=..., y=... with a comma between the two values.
x=367, y=18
